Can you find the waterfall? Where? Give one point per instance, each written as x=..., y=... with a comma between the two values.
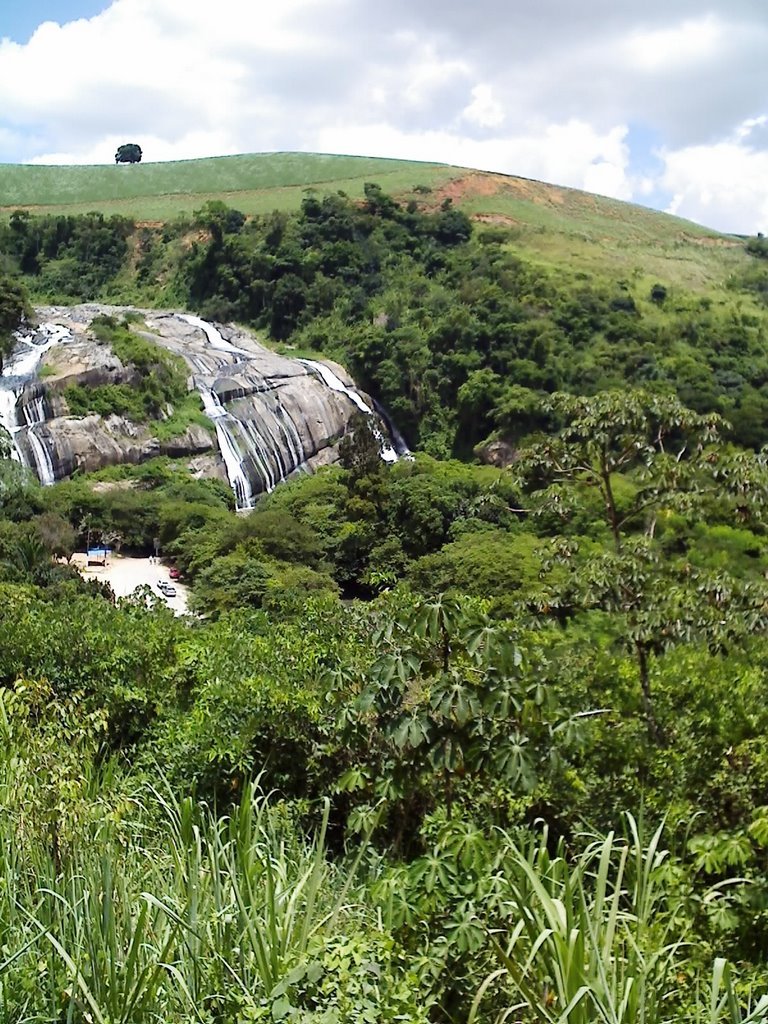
x=243, y=440
x=18, y=370
x=213, y=335
x=398, y=441
x=291, y=435
x=259, y=452
x=42, y=457
x=227, y=426
x=34, y=411
x=8, y=416
x=329, y=378
x=230, y=450
x=273, y=416
x=266, y=433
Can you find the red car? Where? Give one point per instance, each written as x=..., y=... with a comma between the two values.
x=174, y=573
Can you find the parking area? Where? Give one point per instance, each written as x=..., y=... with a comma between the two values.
x=125, y=574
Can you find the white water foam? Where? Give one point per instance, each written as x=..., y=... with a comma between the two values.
x=213, y=335
x=230, y=450
x=268, y=445
x=19, y=368
x=42, y=457
x=334, y=382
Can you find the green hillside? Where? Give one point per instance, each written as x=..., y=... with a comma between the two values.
x=257, y=182
x=553, y=223
x=439, y=288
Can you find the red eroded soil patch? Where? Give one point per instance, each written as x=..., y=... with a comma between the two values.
x=713, y=240
x=476, y=183
x=484, y=184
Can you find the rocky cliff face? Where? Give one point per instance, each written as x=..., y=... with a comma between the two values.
x=270, y=416
x=88, y=443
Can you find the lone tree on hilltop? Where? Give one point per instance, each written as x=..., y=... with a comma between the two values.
x=128, y=153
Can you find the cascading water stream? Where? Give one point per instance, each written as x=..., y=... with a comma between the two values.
x=213, y=335
x=263, y=432
x=8, y=417
x=230, y=451
x=259, y=440
x=18, y=370
x=34, y=411
x=42, y=457
x=243, y=440
x=398, y=441
x=328, y=377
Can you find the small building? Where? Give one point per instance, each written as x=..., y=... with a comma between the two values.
x=98, y=556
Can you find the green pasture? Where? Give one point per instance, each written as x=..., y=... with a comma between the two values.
x=255, y=183
x=604, y=236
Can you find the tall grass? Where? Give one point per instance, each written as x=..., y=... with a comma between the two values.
x=724, y=1006
x=169, y=914
x=146, y=908
x=599, y=938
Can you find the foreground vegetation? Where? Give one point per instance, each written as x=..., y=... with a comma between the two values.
x=159, y=910
x=545, y=793
x=442, y=741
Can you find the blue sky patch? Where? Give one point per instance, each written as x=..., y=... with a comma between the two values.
x=19, y=20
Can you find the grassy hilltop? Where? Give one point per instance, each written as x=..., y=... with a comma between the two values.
x=555, y=224
x=483, y=281
x=255, y=183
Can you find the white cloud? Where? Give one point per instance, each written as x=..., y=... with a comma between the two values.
x=484, y=110
x=606, y=179
x=746, y=128
x=547, y=91
x=691, y=41
x=572, y=154
x=427, y=74
x=722, y=185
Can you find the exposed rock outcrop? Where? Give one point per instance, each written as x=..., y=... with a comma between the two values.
x=496, y=453
x=88, y=443
x=271, y=416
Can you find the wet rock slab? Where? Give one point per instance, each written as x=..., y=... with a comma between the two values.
x=271, y=416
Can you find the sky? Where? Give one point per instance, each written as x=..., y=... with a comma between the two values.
x=663, y=102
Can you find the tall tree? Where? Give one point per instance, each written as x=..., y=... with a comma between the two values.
x=14, y=307
x=449, y=696
x=663, y=448
x=656, y=454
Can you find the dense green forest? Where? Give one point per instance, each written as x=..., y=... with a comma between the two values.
x=443, y=741
x=456, y=333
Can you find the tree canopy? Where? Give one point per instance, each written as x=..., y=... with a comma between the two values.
x=128, y=153
x=14, y=307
